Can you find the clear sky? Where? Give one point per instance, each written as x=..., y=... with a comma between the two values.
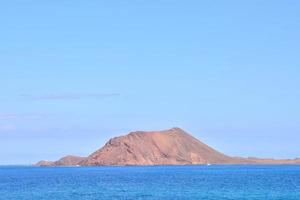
x=75, y=73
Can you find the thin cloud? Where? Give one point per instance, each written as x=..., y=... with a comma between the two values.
x=7, y=128
x=71, y=96
x=14, y=116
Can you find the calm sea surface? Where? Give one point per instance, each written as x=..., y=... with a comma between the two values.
x=163, y=182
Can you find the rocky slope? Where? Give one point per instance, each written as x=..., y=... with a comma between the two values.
x=65, y=161
x=70, y=160
x=169, y=147
x=45, y=163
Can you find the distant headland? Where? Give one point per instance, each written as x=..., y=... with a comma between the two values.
x=168, y=147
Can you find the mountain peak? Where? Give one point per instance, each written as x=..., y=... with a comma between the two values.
x=176, y=129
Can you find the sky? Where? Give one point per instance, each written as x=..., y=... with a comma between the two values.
x=75, y=73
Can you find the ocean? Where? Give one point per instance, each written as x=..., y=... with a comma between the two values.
x=214, y=182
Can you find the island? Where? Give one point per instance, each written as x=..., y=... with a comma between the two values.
x=168, y=147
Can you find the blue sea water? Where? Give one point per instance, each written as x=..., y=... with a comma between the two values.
x=218, y=182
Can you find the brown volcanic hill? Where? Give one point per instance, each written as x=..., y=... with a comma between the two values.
x=170, y=147
x=65, y=161
x=69, y=160
x=45, y=163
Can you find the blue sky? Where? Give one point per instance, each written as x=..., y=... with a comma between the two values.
x=76, y=73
